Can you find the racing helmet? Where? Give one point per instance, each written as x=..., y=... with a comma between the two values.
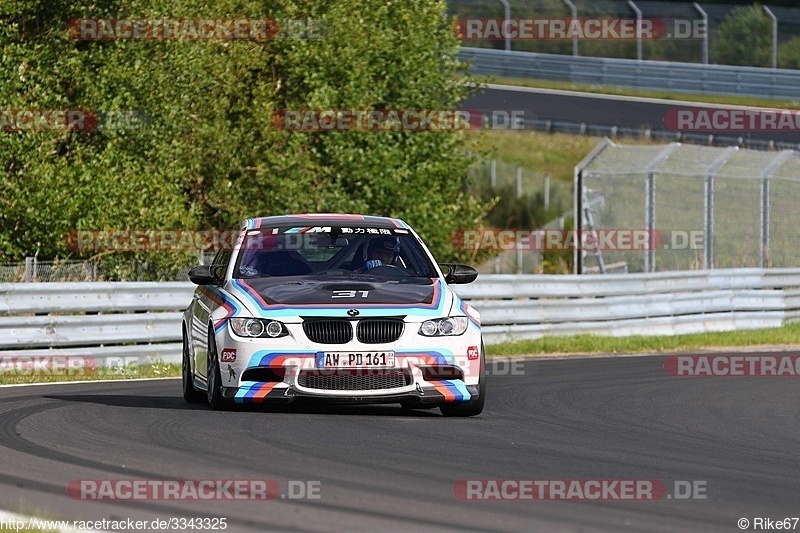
x=385, y=242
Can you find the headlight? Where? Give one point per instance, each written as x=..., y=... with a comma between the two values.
x=257, y=327
x=452, y=325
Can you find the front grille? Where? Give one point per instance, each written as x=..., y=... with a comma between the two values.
x=353, y=380
x=328, y=331
x=379, y=330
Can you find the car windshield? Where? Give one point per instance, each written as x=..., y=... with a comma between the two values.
x=350, y=251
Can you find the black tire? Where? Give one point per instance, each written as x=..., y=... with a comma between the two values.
x=470, y=407
x=190, y=394
x=214, y=381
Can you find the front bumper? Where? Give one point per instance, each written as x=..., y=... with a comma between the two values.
x=269, y=392
x=248, y=377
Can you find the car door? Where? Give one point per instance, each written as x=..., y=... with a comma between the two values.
x=204, y=304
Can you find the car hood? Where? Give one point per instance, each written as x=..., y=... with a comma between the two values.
x=304, y=296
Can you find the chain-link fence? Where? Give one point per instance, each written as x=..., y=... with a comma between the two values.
x=697, y=207
x=526, y=200
x=687, y=30
x=493, y=177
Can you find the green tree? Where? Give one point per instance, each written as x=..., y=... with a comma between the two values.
x=744, y=38
x=209, y=154
x=789, y=54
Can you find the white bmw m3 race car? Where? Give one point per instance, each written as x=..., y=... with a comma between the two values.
x=344, y=308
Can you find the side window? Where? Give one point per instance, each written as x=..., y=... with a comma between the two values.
x=222, y=258
x=220, y=262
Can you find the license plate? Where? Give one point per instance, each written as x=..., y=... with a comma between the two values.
x=355, y=359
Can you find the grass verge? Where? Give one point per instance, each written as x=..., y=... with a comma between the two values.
x=152, y=370
x=595, y=344
x=664, y=95
x=788, y=335
x=547, y=153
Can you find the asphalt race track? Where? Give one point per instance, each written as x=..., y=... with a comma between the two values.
x=383, y=469
x=602, y=110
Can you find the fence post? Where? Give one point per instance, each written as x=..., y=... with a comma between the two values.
x=705, y=35
x=519, y=182
x=774, y=36
x=546, y=191
x=766, y=174
x=29, y=269
x=708, y=226
x=506, y=20
x=708, y=240
x=493, y=173
x=650, y=203
x=638, y=12
x=577, y=199
x=574, y=11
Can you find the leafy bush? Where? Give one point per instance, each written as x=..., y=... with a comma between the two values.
x=744, y=38
x=789, y=53
x=208, y=154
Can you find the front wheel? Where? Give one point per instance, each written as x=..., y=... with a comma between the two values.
x=470, y=407
x=214, y=380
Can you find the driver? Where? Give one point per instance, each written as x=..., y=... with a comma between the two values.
x=381, y=251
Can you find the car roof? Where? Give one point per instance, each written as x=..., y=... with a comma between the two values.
x=325, y=219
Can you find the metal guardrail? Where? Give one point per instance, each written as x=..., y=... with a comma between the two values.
x=655, y=75
x=114, y=321
x=21, y=298
x=664, y=303
x=656, y=134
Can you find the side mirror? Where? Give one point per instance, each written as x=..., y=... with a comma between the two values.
x=460, y=274
x=205, y=275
